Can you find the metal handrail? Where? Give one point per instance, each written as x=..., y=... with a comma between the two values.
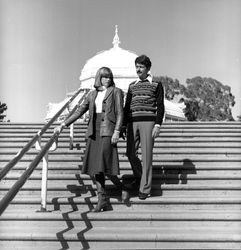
x=21, y=153
x=23, y=178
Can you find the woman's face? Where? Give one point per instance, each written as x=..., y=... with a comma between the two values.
x=105, y=81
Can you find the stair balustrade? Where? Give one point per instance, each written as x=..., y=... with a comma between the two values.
x=43, y=154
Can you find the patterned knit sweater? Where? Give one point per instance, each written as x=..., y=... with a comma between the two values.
x=144, y=102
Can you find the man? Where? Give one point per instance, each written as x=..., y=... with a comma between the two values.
x=143, y=115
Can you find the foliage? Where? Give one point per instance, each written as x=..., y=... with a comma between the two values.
x=172, y=87
x=214, y=99
x=192, y=110
x=206, y=99
x=3, y=108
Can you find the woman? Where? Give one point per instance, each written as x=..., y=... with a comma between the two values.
x=105, y=105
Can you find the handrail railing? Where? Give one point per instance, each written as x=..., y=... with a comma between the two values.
x=23, y=178
x=21, y=153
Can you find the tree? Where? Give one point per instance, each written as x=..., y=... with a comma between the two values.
x=213, y=98
x=206, y=99
x=173, y=88
x=191, y=110
x=3, y=108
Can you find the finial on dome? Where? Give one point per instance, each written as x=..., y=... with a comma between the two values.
x=116, y=40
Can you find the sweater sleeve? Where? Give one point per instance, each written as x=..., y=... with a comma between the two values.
x=160, y=104
x=127, y=106
x=79, y=111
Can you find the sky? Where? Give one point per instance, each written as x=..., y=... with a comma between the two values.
x=44, y=44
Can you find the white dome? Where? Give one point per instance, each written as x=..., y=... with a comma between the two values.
x=120, y=61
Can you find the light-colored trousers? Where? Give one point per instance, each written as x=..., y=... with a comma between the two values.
x=141, y=133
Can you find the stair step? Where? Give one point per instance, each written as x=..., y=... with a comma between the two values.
x=61, y=243
x=165, y=165
x=180, y=215
x=157, y=157
x=117, y=206
x=53, y=193
x=119, y=234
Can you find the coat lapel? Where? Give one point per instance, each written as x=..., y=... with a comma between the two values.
x=93, y=101
x=108, y=92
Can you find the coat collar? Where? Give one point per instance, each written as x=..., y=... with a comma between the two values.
x=108, y=92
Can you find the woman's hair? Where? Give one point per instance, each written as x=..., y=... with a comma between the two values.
x=103, y=72
x=145, y=60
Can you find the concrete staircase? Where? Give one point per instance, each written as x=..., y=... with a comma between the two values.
x=195, y=203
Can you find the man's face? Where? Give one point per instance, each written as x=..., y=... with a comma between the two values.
x=142, y=71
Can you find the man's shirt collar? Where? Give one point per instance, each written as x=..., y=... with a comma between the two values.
x=149, y=79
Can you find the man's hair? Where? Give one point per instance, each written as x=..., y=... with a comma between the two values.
x=143, y=59
x=103, y=72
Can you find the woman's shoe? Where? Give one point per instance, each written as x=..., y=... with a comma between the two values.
x=125, y=196
x=101, y=205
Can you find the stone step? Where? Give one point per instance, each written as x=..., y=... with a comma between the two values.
x=159, y=140
x=127, y=174
x=61, y=243
x=165, y=165
x=164, y=151
x=56, y=204
x=158, y=145
x=34, y=225
x=124, y=170
x=163, y=191
x=183, y=180
x=138, y=215
x=120, y=234
x=171, y=134
x=190, y=158
x=156, y=150
x=199, y=132
x=210, y=124
x=154, y=200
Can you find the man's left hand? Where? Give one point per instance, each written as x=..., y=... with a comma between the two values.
x=155, y=131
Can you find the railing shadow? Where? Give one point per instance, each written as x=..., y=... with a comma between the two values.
x=77, y=191
x=84, y=215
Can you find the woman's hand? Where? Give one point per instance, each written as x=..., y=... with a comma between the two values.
x=115, y=137
x=59, y=128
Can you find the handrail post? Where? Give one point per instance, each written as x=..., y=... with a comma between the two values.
x=44, y=183
x=71, y=137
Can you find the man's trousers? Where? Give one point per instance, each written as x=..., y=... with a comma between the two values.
x=141, y=133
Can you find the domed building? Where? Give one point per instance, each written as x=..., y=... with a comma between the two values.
x=121, y=62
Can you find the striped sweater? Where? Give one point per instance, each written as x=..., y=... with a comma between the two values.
x=144, y=102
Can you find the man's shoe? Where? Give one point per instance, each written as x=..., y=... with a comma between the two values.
x=143, y=196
